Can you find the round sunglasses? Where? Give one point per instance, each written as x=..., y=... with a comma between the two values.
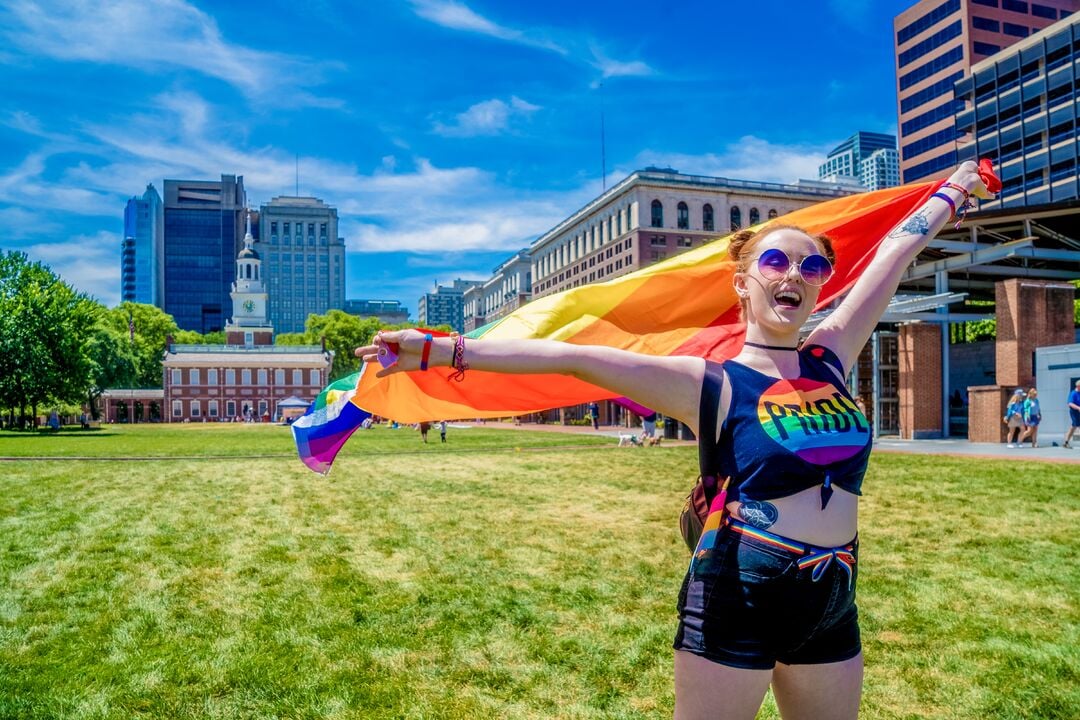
x=815, y=269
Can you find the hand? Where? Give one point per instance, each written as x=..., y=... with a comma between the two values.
x=409, y=348
x=967, y=176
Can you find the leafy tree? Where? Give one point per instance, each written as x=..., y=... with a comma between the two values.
x=45, y=327
x=146, y=329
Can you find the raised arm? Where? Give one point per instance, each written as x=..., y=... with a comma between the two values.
x=669, y=385
x=849, y=326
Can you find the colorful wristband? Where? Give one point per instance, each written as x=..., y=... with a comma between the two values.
x=946, y=198
x=427, y=352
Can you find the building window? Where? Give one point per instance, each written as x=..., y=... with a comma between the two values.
x=982, y=23
x=286, y=228
x=212, y=408
x=177, y=408
x=982, y=48
x=177, y=377
x=298, y=375
x=1015, y=6
x=658, y=240
x=683, y=216
x=736, y=219
x=684, y=242
x=1043, y=11
x=707, y=218
x=212, y=376
x=273, y=227
x=230, y=376
x=316, y=378
x=755, y=216
x=322, y=229
x=772, y=213
x=262, y=408
x=279, y=376
x=196, y=410
x=193, y=376
x=245, y=376
x=230, y=408
x=262, y=377
x=1014, y=29
x=657, y=213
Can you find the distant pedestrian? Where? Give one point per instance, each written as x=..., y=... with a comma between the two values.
x=1032, y=418
x=648, y=423
x=442, y=430
x=1014, y=418
x=1074, y=413
x=424, y=427
x=594, y=412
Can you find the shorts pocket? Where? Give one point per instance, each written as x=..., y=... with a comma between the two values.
x=755, y=562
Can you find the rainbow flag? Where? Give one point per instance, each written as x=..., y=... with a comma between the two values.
x=330, y=420
x=685, y=305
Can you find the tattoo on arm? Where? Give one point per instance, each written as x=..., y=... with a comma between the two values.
x=917, y=224
x=758, y=513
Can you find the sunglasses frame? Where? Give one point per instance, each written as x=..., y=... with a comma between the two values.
x=769, y=270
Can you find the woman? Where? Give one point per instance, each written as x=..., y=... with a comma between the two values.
x=1014, y=418
x=1032, y=418
x=769, y=598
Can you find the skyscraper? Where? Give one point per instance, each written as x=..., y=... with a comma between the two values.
x=445, y=306
x=204, y=227
x=936, y=43
x=1018, y=108
x=303, y=260
x=870, y=158
x=141, y=255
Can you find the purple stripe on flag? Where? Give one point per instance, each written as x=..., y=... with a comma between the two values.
x=319, y=434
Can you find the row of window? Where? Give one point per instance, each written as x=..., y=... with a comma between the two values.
x=707, y=220
x=195, y=376
x=928, y=118
x=931, y=67
x=942, y=36
x=929, y=142
x=195, y=409
x=931, y=18
x=299, y=228
x=930, y=92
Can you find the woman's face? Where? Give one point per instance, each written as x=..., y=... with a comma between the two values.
x=785, y=302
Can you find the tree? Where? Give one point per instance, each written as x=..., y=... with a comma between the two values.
x=146, y=329
x=45, y=326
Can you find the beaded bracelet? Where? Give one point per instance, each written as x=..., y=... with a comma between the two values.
x=966, y=205
x=457, y=360
x=427, y=352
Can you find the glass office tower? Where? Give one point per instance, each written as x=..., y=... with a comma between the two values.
x=204, y=231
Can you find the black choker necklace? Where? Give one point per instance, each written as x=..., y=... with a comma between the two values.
x=768, y=347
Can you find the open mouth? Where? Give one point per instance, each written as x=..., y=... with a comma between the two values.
x=788, y=298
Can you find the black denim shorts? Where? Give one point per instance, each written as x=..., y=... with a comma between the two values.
x=755, y=598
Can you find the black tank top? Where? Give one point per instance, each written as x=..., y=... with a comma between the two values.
x=783, y=436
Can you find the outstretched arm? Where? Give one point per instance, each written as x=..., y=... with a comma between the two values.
x=670, y=385
x=848, y=327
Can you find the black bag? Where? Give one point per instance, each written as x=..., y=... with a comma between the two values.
x=696, y=508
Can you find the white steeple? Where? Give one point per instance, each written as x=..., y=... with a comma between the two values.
x=248, y=294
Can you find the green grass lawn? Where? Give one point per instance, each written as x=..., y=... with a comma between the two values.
x=504, y=575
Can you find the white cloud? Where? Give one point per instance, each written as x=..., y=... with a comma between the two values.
x=154, y=36
x=573, y=45
x=749, y=158
x=89, y=263
x=490, y=117
x=458, y=16
x=609, y=67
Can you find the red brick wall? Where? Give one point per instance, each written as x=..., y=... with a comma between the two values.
x=1030, y=314
x=920, y=381
x=986, y=407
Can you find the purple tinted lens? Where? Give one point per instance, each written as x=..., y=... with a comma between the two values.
x=815, y=269
x=773, y=263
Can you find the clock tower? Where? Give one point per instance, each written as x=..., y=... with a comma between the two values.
x=249, y=325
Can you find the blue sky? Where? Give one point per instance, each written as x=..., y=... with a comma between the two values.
x=448, y=134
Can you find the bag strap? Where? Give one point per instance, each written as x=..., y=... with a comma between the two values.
x=711, y=385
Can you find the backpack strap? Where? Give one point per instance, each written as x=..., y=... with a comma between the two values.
x=711, y=385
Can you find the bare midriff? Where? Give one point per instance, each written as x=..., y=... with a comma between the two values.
x=800, y=517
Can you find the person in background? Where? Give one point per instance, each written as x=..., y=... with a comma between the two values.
x=1032, y=418
x=424, y=427
x=594, y=411
x=442, y=430
x=1014, y=418
x=1074, y=413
